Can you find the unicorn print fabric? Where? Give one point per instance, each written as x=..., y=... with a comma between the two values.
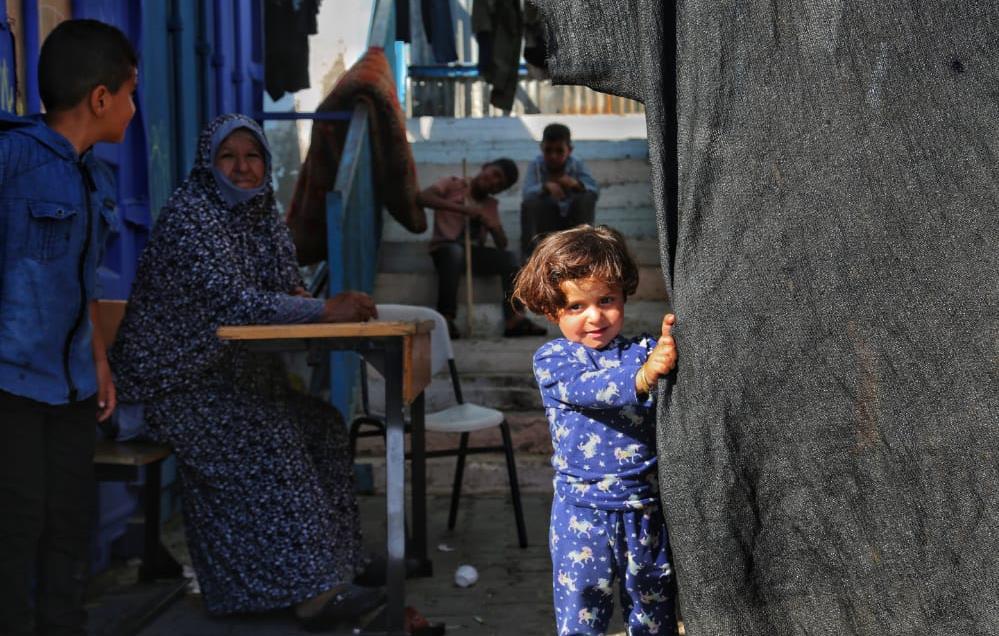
x=606, y=524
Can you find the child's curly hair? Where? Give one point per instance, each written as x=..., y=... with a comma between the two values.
x=576, y=254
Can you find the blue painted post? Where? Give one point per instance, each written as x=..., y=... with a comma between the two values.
x=342, y=366
x=351, y=249
x=361, y=246
x=382, y=29
x=400, y=73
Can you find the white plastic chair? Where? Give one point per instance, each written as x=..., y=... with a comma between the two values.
x=462, y=418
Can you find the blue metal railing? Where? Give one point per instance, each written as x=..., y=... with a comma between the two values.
x=452, y=71
x=353, y=211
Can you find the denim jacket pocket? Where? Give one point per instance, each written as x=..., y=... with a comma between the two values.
x=51, y=230
x=112, y=215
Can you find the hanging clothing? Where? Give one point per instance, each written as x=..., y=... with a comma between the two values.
x=439, y=27
x=499, y=30
x=535, y=46
x=402, y=30
x=269, y=508
x=825, y=180
x=287, y=27
x=370, y=82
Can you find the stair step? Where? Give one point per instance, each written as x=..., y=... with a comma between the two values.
x=504, y=392
x=610, y=173
x=484, y=473
x=628, y=208
x=419, y=287
x=528, y=429
x=497, y=356
x=641, y=315
x=442, y=140
x=413, y=256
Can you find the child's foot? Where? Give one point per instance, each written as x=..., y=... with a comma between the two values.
x=522, y=327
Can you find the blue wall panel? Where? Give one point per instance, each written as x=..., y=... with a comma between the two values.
x=155, y=95
x=127, y=160
x=29, y=15
x=237, y=57
x=8, y=67
x=343, y=365
x=188, y=116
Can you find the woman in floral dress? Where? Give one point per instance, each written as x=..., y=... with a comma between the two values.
x=268, y=493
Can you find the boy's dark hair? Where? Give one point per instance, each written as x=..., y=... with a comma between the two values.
x=575, y=254
x=77, y=57
x=556, y=132
x=509, y=169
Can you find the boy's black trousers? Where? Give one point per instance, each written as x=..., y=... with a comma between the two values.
x=46, y=513
x=449, y=260
x=540, y=216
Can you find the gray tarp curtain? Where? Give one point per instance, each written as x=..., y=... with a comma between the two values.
x=828, y=454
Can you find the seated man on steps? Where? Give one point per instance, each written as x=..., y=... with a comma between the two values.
x=455, y=199
x=559, y=192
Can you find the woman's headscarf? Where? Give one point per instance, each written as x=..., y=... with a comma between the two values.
x=230, y=192
x=211, y=260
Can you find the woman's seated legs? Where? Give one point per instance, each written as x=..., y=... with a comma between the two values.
x=268, y=523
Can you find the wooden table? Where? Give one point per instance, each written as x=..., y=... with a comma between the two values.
x=401, y=352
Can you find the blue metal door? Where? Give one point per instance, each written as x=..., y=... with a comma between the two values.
x=8, y=65
x=127, y=160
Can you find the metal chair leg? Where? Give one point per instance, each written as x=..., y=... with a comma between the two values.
x=511, y=468
x=459, y=472
x=355, y=431
x=157, y=563
x=355, y=428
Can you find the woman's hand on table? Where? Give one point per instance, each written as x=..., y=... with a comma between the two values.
x=301, y=292
x=349, y=306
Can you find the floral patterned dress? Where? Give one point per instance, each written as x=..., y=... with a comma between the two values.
x=266, y=474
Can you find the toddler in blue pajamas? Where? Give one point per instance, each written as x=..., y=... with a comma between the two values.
x=598, y=392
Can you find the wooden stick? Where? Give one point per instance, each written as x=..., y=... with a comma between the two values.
x=469, y=303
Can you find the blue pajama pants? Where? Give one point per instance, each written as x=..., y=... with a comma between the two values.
x=591, y=549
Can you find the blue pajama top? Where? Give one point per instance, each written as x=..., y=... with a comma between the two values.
x=603, y=434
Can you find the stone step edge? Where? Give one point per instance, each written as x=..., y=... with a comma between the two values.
x=485, y=474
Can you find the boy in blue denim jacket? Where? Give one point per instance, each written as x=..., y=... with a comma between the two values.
x=57, y=207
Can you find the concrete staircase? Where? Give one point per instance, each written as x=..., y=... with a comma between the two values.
x=496, y=371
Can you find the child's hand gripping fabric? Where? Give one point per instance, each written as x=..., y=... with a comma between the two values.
x=661, y=360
